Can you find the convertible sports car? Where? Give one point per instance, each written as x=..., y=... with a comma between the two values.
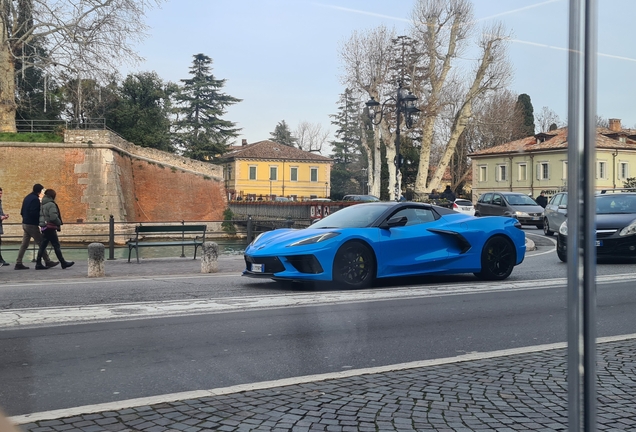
x=354, y=246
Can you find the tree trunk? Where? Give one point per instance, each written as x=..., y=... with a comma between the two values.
x=7, y=87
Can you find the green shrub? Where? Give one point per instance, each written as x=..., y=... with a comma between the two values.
x=228, y=225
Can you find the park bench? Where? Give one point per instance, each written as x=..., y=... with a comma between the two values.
x=144, y=235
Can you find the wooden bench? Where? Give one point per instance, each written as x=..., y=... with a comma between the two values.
x=158, y=231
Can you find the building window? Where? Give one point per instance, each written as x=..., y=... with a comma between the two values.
x=623, y=170
x=273, y=173
x=601, y=170
x=252, y=172
x=565, y=170
x=313, y=174
x=523, y=172
x=502, y=172
x=543, y=171
x=483, y=173
x=293, y=174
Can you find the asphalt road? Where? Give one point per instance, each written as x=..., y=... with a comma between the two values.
x=66, y=366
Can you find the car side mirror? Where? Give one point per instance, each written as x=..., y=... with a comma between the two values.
x=395, y=222
x=562, y=206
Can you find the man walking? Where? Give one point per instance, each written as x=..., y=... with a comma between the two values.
x=542, y=200
x=31, y=226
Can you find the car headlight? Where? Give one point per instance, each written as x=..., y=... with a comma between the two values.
x=315, y=239
x=628, y=230
x=563, y=229
x=521, y=214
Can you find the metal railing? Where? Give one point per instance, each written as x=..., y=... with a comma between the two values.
x=56, y=125
x=115, y=235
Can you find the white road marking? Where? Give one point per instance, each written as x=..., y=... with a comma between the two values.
x=151, y=400
x=55, y=316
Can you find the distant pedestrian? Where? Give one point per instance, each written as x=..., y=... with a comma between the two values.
x=448, y=194
x=51, y=223
x=3, y=216
x=433, y=195
x=31, y=227
x=542, y=200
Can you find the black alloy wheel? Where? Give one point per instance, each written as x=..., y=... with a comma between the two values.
x=354, y=266
x=498, y=258
x=546, y=228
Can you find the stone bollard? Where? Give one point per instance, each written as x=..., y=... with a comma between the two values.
x=96, y=260
x=209, y=257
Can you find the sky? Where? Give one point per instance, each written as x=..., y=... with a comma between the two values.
x=281, y=57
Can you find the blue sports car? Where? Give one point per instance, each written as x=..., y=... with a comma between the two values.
x=358, y=244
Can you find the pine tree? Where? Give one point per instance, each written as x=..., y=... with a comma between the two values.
x=526, y=111
x=282, y=135
x=200, y=131
x=140, y=113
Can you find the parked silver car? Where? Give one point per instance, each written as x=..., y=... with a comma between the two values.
x=512, y=204
x=555, y=213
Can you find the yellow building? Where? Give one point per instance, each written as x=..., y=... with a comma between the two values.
x=266, y=170
x=540, y=162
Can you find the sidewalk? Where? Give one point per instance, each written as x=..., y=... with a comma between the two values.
x=121, y=268
x=518, y=392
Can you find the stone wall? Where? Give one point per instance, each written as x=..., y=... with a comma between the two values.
x=97, y=174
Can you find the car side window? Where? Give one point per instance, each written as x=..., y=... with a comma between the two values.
x=485, y=198
x=557, y=199
x=496, y=200
x=415, y=216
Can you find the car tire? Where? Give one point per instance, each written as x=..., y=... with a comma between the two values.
x=498, y=258
x=477, y=214
x=539, y=226
x=546, y=228
x=563, y=256
x=354, y=266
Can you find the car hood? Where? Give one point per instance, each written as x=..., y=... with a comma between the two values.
x=527, y=208
x=614, y=221
x=283, y=237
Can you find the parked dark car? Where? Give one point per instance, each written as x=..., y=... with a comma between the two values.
x=361, y=198
x=615, y=227
x=511, y=204
x=555, y=213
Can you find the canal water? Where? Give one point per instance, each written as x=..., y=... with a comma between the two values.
x=80, y=251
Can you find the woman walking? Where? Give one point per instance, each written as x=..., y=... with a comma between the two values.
x=3, y=216
x=51, y=222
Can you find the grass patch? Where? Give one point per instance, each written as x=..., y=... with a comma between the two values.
x=40, y=137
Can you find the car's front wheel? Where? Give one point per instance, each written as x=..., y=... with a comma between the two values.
x=498, y=258
x=561, y=253
x=354, y=266
x=546, y=228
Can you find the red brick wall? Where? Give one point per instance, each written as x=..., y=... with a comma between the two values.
x=165, y=194
x=150, y=191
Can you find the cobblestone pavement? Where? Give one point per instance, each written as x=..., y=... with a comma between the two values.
x=522, y=392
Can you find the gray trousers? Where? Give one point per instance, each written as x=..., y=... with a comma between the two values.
x=31, y=232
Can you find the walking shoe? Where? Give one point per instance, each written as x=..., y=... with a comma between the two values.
x=67, y=264
x=51, y=264
x=39, y=266
x=20, y=267
x=3, y=263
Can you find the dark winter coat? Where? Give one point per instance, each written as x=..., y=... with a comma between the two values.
x=31, y=209
x=542, y=200
x=50, y=212
x=448, y=194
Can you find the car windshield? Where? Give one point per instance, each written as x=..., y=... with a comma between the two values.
x=355, y=216
x=520, y=200
x=614, y=204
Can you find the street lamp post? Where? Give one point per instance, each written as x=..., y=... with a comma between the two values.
x=270, y=188
x=404, y=105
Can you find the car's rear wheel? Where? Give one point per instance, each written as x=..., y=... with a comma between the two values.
x=498, y=258
x=354, y=266
x=546, y=228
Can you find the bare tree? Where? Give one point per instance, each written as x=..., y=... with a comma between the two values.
x=83, y=39
x=443, y=28
x=366, y=59
x=546, y=118
x=311, y=137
